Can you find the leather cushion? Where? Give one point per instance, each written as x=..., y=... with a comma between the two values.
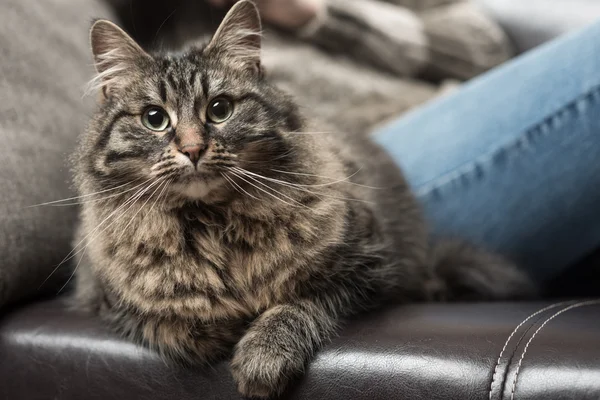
x=437, y=351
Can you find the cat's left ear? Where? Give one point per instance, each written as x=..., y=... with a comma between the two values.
x=239, y=36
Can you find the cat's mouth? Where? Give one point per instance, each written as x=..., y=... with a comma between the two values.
x=198, y=173
x=196, y=176
x=199, y=185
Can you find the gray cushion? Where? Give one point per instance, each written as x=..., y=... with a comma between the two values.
x=44, y=65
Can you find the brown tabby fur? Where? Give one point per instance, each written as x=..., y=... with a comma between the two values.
x=279, y=232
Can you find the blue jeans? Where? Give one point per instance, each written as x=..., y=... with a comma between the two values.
x=512, y=160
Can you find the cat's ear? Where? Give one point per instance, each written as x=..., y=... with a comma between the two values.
x=239, y=36
x=116, y=55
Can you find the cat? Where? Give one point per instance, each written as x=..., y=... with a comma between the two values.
x=220, y=221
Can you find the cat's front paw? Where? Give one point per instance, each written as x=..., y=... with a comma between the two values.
x=278, y=346
x=262, y=372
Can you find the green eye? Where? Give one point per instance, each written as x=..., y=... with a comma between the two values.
x=219, y=110
x=156, y=119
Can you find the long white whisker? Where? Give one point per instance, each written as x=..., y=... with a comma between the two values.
x=127, y=203
x=334, y=197
x=297, y=184
x=139, y=210
x=168, y=182
x=246, y=173
x=74, y=252
x=74, y=271
x=276, y=191
x=237, y=187
x=327, y=177
x=306, y=133
x=130, y=203
x=102, y=198
x=262, y=190
x=304, y=189
x=87, y=195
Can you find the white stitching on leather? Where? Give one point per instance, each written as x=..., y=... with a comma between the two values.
x=572, y=306
x=513, y=333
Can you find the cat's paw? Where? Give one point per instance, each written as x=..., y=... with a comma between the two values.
x=261, y=372
x=278, y=346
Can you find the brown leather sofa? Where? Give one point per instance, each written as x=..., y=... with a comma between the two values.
x=538, y=350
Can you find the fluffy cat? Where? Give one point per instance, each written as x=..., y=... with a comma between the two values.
x=218, y=222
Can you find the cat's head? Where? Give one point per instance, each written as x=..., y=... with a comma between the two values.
x=189, y=122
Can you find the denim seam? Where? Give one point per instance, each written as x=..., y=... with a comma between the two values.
x=519, y=143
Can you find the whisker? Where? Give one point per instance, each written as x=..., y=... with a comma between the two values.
x=249, y=175
x=237, y=187
x=163, y=164
x=284, y=155
x=307, y=133
x=139, y=210
x=100, y=199
x=161, y=25
x=130, y=203
x=159, y=195
x=318, y=194
x=218, y=164
x=74, y=252
x=85, y=195
x=299, y=185
x=262, y=190
x=327, y=177
x=269, y=187
x=72, y=273
x=168, y=172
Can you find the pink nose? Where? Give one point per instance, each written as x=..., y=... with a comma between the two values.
x=193, y=152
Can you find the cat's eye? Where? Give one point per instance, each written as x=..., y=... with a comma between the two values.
x=219, y=110
x=156, y=119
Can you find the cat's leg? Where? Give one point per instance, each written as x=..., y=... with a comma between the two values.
x=278, y=346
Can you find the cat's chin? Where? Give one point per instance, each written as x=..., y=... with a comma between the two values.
x=196, y=187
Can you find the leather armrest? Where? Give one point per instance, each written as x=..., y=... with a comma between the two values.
x=533, y=22
x=438, y=351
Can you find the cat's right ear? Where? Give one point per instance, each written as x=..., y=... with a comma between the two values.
x=116, y=55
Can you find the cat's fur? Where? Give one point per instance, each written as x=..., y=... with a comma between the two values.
x=281, y=231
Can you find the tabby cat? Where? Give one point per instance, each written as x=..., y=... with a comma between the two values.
x=218, y=221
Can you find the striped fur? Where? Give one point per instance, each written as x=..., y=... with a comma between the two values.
x=281, y=231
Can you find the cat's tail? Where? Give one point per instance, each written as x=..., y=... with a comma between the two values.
x=465, y=272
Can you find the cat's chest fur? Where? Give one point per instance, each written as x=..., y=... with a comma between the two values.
x=212, y=264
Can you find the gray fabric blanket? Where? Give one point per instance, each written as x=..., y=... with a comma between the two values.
x=435, y=39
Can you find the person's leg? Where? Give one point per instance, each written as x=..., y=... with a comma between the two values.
x=512, y=160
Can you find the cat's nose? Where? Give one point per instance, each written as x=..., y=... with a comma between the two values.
x=194, y=152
